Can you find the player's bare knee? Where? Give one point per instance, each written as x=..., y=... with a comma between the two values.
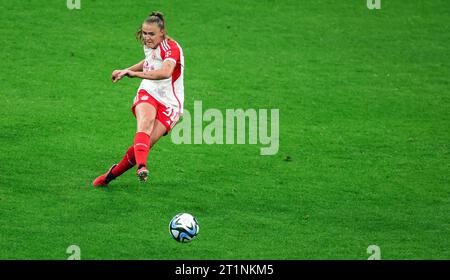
x=146, y=125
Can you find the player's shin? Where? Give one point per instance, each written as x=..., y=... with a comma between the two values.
x=126, y=163
x=141, y=148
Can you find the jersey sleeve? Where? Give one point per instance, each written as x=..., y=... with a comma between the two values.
x=172, y=52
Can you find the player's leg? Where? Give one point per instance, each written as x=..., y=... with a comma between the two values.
x=127, y=162
x=145, y=118
x=144, y=108
x=158, y=131
x=129, y=159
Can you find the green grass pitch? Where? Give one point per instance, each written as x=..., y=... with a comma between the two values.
x=364, y=115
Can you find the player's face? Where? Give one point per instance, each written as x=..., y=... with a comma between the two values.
x=153, y=36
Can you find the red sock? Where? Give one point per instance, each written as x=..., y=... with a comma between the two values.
x=141, y=148
x=126, y=163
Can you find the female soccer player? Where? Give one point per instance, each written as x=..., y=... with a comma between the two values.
x=159, y=99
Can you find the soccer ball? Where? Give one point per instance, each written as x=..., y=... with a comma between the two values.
x=183, y=227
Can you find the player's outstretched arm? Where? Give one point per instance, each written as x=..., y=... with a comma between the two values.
x=160, y=74
x=119, y=74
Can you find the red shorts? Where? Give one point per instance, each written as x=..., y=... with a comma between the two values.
x=166, y=115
